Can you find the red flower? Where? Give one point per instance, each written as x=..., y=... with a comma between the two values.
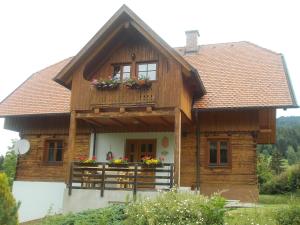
x=94, y=158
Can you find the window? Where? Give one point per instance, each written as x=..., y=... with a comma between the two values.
x=218, y=152
x=147, y=70
x=122, y=72
x=54, y=151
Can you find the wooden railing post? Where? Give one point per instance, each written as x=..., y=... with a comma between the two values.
x=70, y=179
x=171, y=176
x=103, y=180
x=71, y=141
x=135, y=181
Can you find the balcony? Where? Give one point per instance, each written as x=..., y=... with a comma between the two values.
x=123, y=96
x=132, y=177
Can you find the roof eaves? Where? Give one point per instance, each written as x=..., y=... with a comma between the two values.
x=290, y=86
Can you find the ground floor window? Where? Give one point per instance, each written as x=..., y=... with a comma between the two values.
x=218, y=152
x=54, y=151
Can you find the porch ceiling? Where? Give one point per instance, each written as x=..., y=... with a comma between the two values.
x=131, y=120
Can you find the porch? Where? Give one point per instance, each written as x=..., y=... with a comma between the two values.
x=133, y=177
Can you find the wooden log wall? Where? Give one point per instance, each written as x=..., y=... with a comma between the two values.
x=237, y=181
x=32, y=167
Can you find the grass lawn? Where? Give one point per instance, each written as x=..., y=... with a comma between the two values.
x=263, y=214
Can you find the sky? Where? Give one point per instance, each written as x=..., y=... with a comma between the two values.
x=36, y=34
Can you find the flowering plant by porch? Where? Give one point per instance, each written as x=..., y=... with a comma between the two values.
x=149, y=161
x=142, y=82
x=104, y=84
x=118, y=162
x=83, y=159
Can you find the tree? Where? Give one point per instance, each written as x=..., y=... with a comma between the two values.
x=276, y=163
x=291, y=155
x=1, y=162
x=8, y=205
x=263, y=169
x=10, y=163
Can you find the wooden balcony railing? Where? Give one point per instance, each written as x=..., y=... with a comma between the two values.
x=133, y=176
x=124, y=96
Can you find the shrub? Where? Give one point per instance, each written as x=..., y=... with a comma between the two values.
x=289, y=215
x=8, y=206
x=288, y=181
x=113, y=215
x=176, y=208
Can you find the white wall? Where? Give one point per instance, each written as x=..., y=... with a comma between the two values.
x=115, y=142
x=37, y=198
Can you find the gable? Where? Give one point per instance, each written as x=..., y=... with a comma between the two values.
x=124, y=19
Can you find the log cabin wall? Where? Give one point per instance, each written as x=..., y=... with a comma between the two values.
x=237, y=181
x=37, y=130
x=164, y=92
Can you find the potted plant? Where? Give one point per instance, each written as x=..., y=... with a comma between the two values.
x=150, y=162
x=86, y=161
x=121, y=162
x=106, y=84
x=141, y=82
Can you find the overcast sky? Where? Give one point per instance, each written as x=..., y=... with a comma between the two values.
x=36, y=34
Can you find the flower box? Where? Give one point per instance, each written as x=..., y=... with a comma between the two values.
x=91, y=164
x=108, y=84
x=138, y=84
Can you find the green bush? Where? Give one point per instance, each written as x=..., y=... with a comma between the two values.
x=176, y=208
x=8, y=206
x=113, y=215
x=289, y=215
x=288, y=181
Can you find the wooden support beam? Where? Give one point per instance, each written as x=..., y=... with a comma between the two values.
x=166, y=122
x=125, y=114
x=177, y=153
x=71, y=142
x=141, y=121
x=120, y=123
x=91, y=121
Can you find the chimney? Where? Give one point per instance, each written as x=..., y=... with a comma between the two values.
x=191, y=41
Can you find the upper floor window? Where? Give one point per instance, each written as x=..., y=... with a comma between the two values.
x=122, y=72
x=147, y=70
x=218, y=152
x=54, y=151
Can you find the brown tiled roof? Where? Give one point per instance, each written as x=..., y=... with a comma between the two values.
x=235, y=75
x=241, y=74
x=39, y=94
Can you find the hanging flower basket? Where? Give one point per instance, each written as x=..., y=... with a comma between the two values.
x=108, y=84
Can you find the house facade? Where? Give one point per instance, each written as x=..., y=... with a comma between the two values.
x=127, y=93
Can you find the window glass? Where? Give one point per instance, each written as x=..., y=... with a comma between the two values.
x=223, y=152
x=213, y=152
x=59, y=151
x=147, y=70
x=51, y=151
x=117, y=72
x=126, y=72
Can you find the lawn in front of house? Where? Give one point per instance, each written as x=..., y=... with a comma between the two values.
x=264, y=213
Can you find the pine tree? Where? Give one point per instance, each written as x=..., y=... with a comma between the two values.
x=276, y=162
x=8, y=206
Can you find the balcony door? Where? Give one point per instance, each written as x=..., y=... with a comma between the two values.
x=136, y=149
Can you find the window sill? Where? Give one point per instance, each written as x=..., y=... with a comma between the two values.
x=213, y=166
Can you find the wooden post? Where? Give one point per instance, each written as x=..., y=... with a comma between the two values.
x=70, y=179
x=171, y=175
x=103, y=180
x=177, y=153
x=135, y=181
x=71, y=142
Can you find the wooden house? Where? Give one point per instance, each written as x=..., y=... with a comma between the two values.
x=127, y=93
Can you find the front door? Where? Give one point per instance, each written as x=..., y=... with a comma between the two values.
x=136, y=149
